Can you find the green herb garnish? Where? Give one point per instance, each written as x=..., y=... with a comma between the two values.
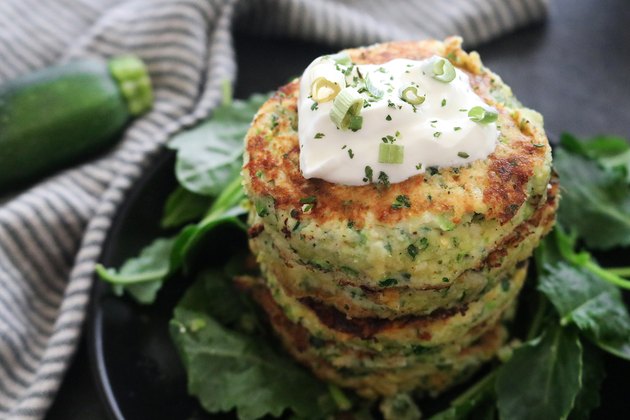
x=482, y=115
x=401, y=201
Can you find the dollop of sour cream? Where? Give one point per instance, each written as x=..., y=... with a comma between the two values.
x=435, y=133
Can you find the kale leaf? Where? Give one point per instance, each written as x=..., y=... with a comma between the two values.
x=209, y=159
x=144, y=275
x=593, y=305
x=209, y=155
x=184, y=206
x=543, y=377
x=595, y=200
x=233, y=364
x=141, y=276
x=592, y=377
x=596, y=148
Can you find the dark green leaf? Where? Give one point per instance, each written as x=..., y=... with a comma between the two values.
x=143, y=275
x=605, y=321
x=209, y=155
x=568, y=287
x=183, y=206
x=612, y=153
x=191, y=235
x=593, y=305
x=596, y=147
x=226, y=209
x=542, y=379
x=470, y=400
x=547, y=253
x=231, y=370
x=592, y=377
x=620, y=162
x=560, y=246
x=214, y=294
x=595, y=203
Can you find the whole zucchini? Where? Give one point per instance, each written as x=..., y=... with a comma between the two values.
x=57, y=116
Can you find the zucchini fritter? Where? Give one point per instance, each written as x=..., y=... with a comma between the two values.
x=383, y=298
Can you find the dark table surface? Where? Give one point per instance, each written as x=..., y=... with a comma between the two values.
x=574, y=69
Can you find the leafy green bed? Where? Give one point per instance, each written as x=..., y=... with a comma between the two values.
x=234, y=363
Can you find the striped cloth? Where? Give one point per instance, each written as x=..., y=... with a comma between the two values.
x=52, y=234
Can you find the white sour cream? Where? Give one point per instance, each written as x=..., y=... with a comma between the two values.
x=437, y=133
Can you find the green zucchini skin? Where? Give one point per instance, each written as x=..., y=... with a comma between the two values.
x=56, y=117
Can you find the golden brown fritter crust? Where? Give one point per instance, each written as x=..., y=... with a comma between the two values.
x=273, y=150
x=352, y=368
x=339, y=290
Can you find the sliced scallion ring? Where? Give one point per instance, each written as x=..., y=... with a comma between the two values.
x=323, y=90
x=410, y=95
x=391, y=153
x=341, y=58
x=482, y=115
x=346, y=105
x=443, y=70
x=374, y=90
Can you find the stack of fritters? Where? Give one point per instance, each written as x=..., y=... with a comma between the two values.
x=385, y=298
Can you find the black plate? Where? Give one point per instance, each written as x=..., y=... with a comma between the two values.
x=137, y=371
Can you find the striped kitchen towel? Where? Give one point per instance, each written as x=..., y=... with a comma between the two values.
x=51, y=235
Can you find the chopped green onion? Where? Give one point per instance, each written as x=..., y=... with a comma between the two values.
x=383, y=179
x=391, y=153
x=308, y=200
x=482, y=115
x=347, y=104
x=368, y=174
x=388, y=282
x=355, y=123
x=261, y=209
x=443, y=70
x=412, y=250
x=372, y=88
x=341, y=57
x=323, y=90
x=401, y=201
x=410, y=95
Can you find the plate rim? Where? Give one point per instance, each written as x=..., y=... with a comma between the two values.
x=94, y=324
